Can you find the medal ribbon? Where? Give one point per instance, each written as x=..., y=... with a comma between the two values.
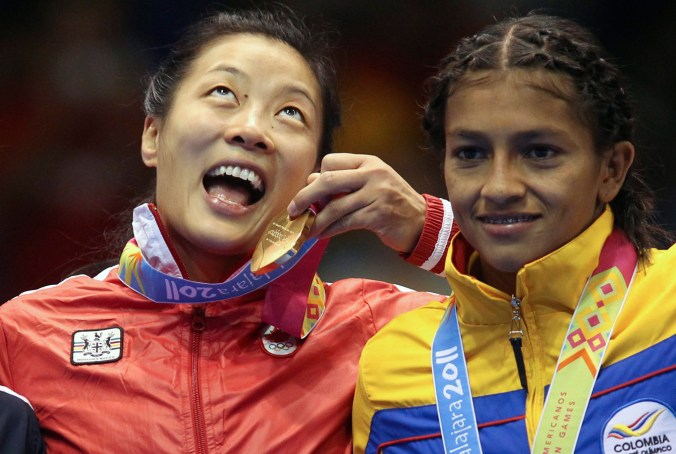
x=578, y=365
x=159, y=287
x=292, y=294
x=585, y=345
x=455, y=408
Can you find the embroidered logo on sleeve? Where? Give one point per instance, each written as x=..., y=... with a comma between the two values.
x=641, y=427
x=96, y=346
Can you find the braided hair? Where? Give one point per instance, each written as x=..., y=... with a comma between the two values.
x=549, y=43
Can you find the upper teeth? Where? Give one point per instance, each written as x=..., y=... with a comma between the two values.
x=239, y=172
x=508, y=219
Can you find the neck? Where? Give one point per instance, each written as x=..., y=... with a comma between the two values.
x=195, y=263
x=200, y=266
x=503, y=281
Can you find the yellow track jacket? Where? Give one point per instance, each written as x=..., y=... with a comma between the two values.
x=394, y=407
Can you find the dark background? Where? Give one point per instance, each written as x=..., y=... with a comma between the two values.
x=71, y=116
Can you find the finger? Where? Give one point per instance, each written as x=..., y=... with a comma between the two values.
x=397, y=221
x=326, y=186
x=336, y=214
x=301, y=202
x=345, y=161
x=313, y=176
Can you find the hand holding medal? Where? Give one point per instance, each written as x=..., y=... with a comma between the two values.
x=363, y=193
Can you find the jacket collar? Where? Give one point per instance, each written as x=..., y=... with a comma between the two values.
x=553, y=282
x=284, y=306
x=154, y=246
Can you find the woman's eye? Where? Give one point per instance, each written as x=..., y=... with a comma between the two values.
x=470, y=153
x=222, y=92
x=293, y=112
x=540, y=152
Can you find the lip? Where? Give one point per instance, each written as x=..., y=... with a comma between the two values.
x=228, y=208
x=507, y=224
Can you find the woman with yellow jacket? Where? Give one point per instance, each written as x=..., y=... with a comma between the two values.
x=559, y=334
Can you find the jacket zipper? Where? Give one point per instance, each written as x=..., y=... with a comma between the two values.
x=516, y=339
x=198, y=324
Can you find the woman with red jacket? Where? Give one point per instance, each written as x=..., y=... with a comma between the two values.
x=181, y=347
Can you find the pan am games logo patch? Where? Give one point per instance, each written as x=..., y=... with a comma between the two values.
x=645, y=427
x=96, y=346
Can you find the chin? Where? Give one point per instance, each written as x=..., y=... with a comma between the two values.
x=226, y=242
x=508, y=264
x=230, y=248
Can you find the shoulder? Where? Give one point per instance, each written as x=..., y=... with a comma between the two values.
x=402, y=344
x=19, y=431
x=654, y=278
x=660, y=262
x=646, y=319
x=372, y=291
x=414, y=329
x=72, y=285
x=382, y=300
x=72, y=296
x=13, y=403
x=395, y=364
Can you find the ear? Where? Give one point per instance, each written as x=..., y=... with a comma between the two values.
x=149, y=141
x=616, y=163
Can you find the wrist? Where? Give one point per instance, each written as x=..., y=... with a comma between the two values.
x=430, y=250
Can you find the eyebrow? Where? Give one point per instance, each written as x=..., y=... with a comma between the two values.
x=228, y=69
x=298, y=90
x=465, y=134
x=540, y=133
x=293, y=88
x=532, y=134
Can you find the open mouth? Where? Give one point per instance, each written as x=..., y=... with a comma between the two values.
x=234, y=184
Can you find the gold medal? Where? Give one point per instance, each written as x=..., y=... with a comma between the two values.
x=281, y=240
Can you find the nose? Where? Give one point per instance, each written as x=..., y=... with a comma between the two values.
x=247, y=129
x=504, y=181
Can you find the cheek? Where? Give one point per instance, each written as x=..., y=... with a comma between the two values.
x=193, y=130
x=574, y=191
x=172, y=178
x=296, y=177
x=167, y=170
x=296, y=167
x=449, y=179
x=457, y=188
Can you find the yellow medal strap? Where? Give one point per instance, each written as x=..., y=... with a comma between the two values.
x=583, y=348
